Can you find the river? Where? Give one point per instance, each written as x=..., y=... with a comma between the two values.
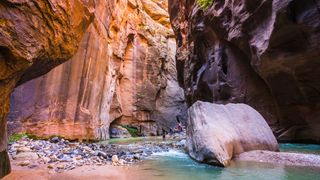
x=177, y=165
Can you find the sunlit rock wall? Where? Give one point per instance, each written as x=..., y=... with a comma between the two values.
x=124, y=72
x=35, y=36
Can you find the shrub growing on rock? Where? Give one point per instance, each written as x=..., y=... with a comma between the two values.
x=204, y=4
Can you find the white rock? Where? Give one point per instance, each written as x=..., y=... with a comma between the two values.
x=46, y=160
x=23, y=149
x=26, y=156
x=24, y=163
x=115, y=158
x=216, y=133
x=60, y=166
x=122, y=162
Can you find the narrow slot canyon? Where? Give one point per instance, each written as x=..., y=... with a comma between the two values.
x=159, y=89
x=124, y=70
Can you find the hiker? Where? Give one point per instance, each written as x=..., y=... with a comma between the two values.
x=178, y=127
x=163, y=134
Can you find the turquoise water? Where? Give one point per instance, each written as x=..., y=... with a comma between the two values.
x=178, y=166
x=301, y=148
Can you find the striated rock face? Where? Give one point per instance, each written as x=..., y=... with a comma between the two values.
x=216, y=133
x=123, y=73
x=264, y=53
x=35, y=36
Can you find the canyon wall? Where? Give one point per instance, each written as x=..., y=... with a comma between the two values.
x=264, y=53
x=35, y=36
x=123, y=73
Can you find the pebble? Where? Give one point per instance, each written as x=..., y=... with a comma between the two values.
x=55, y=140
x=46, y=160
x=115, y=158
x=122, y=162
x=26, y=156
x=60, y=166
x=24, y=163
x=32, y=166
x=103, y=154
x=60, y=154
x=24, y=149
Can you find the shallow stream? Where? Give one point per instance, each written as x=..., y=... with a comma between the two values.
x=177, y=165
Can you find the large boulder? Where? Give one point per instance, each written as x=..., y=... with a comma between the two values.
x=264, y=53
x=117, y=131
x=216, y=133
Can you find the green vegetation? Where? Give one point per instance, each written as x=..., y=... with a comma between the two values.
x=17, y=137
x=204, y=4
x=124, y=140
x=133, y=131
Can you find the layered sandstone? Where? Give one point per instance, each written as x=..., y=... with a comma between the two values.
x=35, y=36
x=216, y=133
x=264, y=53
x=123, y=73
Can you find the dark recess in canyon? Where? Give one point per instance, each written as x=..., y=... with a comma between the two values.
x=260, y=52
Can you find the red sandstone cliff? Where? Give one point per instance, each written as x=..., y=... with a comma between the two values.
x=264, y=53
x=124, y=72
x=35, y=36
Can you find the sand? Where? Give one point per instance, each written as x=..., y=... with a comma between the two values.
x=80, y=173
x=285, y=158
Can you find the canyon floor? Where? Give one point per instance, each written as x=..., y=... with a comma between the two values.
x=154, y=159
x=146, y=170
x=81, y=173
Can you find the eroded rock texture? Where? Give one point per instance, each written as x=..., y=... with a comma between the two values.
x=264, y=53
x=216, y=133
x=35, y=36
x=123, y=73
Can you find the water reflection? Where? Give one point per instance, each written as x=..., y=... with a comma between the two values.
x=178, y=166
x=302, y=148
x=175, y=165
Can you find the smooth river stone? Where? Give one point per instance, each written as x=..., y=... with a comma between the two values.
x=216, y=133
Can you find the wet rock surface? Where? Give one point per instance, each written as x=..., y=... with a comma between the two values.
x=290, y=159
x=216, y=133
x=264, y=53
x=61, y=154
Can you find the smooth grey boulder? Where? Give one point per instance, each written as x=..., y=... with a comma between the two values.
x=116, y=131
x=216, y=133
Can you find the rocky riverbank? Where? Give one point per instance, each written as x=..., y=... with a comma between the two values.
x=62, y=155
x=127, y=158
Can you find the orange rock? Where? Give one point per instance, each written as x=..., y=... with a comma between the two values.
x=35, y=36
x=124, y=72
